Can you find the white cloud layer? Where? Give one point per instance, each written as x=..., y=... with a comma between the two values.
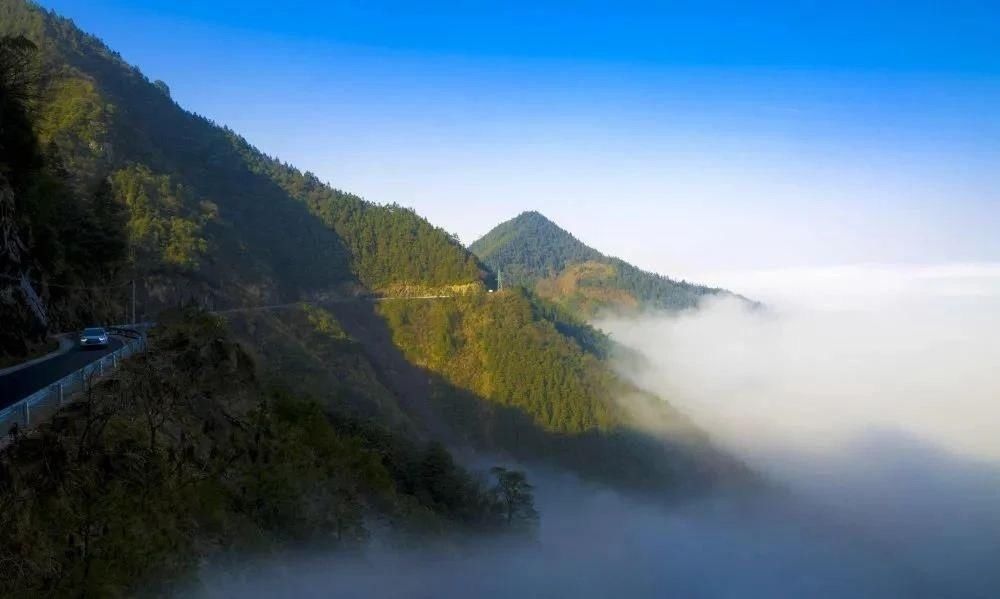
x=838, y=352
x=865, y=286
x=876, y=407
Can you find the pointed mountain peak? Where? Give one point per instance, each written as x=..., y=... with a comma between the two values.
x=533, y=251
x=532, y=216
x=539, y=245
x=531, y=221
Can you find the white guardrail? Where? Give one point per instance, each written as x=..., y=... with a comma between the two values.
x=45, y=402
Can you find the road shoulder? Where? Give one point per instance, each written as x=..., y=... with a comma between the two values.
x=65, y=344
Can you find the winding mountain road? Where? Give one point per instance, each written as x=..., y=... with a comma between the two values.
x=19, y=384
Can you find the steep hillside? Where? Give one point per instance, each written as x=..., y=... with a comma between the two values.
x=532, y=251
x=530, y=247
x=205, y=216
x=512, y=373
x=195, y=214
x=183, y=457
x=47, y=224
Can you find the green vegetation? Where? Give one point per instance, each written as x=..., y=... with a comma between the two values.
x=532, y=251
x=163, y=231
x=104, y=179
x=73, y=117
x=183, y=456
x=390, y=245
x=306, y=350
x=530, y=247
x=52, y=228
x=502, y=349
x=515, y=494
x=208, y=215
x=516, y=374
x=586, y=288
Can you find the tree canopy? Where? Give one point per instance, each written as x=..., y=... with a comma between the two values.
x=532, y=251
x=183, y=455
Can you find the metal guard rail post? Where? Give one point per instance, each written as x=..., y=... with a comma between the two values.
x=56, y=394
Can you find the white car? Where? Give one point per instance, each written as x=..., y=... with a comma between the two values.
x=94, y=337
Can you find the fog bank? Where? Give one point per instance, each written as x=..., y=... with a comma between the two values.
x=874, y=410
x=593, y=543
x=837, y=353
x=871, y=393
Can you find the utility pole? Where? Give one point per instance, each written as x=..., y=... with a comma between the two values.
x=133, y=301
x=500, y=256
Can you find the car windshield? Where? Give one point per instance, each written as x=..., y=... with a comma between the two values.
x=93, y=331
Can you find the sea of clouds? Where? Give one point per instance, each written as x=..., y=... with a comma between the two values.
x=869, y=395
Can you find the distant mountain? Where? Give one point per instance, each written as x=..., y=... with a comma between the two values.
x=202, y=216
x=105, y=179
x=533, y=251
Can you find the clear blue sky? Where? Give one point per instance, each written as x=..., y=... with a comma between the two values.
x=695, y=138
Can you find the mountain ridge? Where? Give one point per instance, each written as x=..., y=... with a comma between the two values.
x=208, y=219
x=203, y=219
x=533, y=251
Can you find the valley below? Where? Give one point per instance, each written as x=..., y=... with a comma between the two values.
x=325, y=395
x=898, y=502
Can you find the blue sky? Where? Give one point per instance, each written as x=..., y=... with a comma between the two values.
x=693, y=138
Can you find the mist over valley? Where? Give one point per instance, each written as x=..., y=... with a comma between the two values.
x=338, y=299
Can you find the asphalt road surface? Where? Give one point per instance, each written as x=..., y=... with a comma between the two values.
x=19, y=384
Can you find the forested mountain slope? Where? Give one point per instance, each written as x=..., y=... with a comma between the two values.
x=532, y=251
x=183, y=457
x=205, y=215
x=515, y=374
x=195, y=214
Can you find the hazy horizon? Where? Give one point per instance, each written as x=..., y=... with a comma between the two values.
x=321, y=396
